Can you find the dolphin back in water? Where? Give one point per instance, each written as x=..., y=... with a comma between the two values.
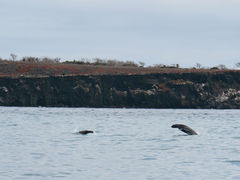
x=84, y=132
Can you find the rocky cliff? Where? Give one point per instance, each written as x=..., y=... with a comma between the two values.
x=162, y=90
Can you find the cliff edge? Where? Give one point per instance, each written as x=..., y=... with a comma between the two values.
x=210, y=89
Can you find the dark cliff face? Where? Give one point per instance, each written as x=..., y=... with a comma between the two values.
x=180, y=90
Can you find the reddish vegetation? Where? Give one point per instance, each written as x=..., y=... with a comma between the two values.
x=17, y=69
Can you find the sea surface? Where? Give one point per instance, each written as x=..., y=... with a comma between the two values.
x=128, y=144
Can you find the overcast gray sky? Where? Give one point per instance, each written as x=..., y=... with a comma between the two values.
x=152, y=31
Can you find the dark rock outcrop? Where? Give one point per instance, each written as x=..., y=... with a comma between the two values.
x=163, y=90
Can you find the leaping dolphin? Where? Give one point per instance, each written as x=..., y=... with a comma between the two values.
x=185, y=129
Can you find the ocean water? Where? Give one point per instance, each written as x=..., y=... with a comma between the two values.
x=128, y=144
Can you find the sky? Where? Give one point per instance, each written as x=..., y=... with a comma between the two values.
x=183, y=32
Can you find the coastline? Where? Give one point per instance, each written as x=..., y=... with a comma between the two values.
x=175, y=88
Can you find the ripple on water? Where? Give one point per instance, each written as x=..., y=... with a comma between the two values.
x=237, y=137
x=234, y=162
x=10, y=125
x=37, y=154
x=33, y=174
x=149, y=158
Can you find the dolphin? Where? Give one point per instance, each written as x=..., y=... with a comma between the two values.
x=84, y=132
x=185, y=129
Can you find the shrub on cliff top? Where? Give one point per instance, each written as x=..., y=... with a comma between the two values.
x=46, y=60
x=103, y=62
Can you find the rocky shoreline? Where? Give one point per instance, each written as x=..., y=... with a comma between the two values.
x=218, y=90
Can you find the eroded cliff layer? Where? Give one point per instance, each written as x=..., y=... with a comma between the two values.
x=163, y=90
